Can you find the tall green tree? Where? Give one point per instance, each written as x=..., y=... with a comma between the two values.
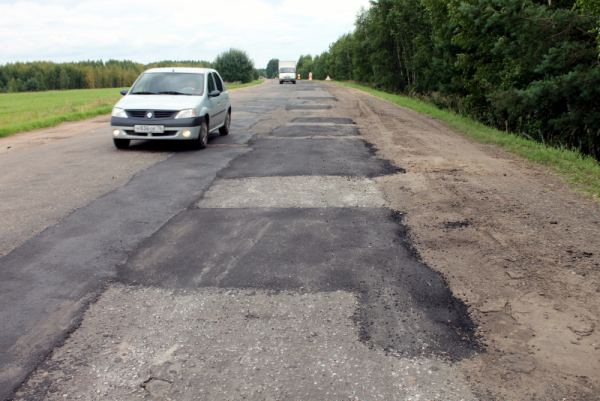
x=526, y=66
x=272, y=68
x=234, y=65
x=591, y=7
x=304, y=65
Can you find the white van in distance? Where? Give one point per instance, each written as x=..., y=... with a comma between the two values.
x=287, y=72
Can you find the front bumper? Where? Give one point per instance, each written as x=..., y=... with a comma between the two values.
x=287, y=78
x=169, y=134
x=174, y=129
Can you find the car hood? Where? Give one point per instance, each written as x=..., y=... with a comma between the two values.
x=158, y=102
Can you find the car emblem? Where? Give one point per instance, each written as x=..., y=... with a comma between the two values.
x=149, y=115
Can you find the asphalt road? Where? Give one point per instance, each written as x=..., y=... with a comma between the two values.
x=229, y=272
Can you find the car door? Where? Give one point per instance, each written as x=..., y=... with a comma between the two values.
x=212, y=101
x=218, y=103
x=223, y=97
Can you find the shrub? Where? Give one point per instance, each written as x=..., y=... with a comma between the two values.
x=234, y=65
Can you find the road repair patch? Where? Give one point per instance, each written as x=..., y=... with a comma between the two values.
x=288, y=157
x=405, y=306
x=151, y=342
x=309, y=107
x=293, y=192
x=323, y=120
x=308, y=130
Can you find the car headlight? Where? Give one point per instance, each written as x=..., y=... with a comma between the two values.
x=187, y=113
x=118, y=112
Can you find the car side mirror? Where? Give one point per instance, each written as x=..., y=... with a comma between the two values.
x=214, y=93
x=124, y=91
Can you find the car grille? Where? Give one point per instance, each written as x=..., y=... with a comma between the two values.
x=164, y=114
x=157, y=113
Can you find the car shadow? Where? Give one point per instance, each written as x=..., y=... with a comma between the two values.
x=167, y=145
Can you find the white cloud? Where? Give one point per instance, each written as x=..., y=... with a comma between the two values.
x=154, y=30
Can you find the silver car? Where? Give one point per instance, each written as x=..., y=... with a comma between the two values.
x=172, y=103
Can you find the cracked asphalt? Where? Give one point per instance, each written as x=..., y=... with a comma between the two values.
x=267, y=266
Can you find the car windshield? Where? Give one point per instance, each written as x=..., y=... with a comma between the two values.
x=287, y=69
x=169, y=83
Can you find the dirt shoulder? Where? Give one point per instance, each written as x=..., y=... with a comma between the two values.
x=29, y=139
x=514, y=242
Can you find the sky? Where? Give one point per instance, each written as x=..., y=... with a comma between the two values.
x=155, y=30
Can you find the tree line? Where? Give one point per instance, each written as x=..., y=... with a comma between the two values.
x=529, y=67
x=234, y=65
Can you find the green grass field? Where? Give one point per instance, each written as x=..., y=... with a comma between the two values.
x=580, y=171
x=27, y=111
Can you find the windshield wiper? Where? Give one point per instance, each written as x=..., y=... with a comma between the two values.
x=143, y=93
x=173, y=93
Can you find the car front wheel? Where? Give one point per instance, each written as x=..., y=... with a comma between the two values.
x=121, y=143
x=202, y=140
x=224, y=130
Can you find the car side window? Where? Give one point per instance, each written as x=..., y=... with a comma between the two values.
x=219, y=82
x=211, y=83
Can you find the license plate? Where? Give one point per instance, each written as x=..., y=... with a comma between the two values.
x=154, y=129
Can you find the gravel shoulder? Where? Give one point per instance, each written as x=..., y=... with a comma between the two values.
x=514, y=242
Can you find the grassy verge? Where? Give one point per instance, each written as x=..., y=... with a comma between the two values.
x=581, y=171
x=27, y=111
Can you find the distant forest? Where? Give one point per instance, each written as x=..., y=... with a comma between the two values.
x=46, y=75
x=528, y=67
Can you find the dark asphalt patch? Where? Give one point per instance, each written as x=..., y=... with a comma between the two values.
x=309, y=107
x=244, y=123
x=317, y=98
x=163, y=145
x=323, y=120
x=234, y=138
x=404, y=305
x=270, y=103
x=294, y=88
x=373, y=150
x=49, y=280
x=255, y=109
x=315, y=130
x=289, y=157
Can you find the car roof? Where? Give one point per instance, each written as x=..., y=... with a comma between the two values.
x=188, y=70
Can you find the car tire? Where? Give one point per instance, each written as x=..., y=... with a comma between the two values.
x=202, y=140
x=280, y=82
x=121, y=143
x=224, y=130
